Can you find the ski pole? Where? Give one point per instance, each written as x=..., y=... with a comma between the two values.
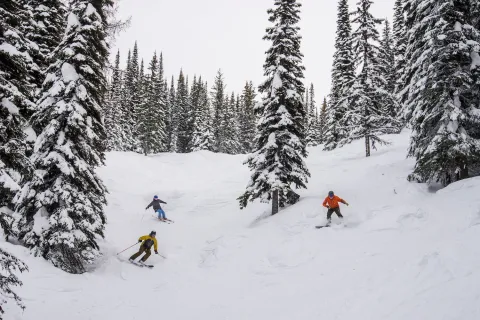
x=161, y=256
x=128, y=248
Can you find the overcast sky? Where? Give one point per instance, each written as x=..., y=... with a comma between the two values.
x=204, y=36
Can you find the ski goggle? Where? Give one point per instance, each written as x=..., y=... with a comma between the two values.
x=330, y=195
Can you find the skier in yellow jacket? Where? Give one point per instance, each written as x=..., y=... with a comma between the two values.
x=146, y=247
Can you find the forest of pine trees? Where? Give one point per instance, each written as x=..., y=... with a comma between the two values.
x=424, y=74
x=147, y=114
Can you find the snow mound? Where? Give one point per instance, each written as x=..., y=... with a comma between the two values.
x=405, y=252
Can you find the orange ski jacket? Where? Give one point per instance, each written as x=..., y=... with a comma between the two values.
x=333, y=203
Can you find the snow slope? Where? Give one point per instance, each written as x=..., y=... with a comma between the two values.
x=407, y=252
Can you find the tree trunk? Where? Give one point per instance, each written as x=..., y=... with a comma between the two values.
x=367, y=145
x=462, y=173
x=275, y=202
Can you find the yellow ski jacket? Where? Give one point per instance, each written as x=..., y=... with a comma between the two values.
x=147, y=237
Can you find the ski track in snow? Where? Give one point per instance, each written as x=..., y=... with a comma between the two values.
x=405, y=253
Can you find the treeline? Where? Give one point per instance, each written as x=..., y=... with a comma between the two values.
x=147, y=113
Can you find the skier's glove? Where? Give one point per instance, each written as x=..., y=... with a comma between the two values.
x=139, y=240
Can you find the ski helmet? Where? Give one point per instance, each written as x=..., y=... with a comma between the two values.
x=330, y=194
x=155, y=197
x=153, y=233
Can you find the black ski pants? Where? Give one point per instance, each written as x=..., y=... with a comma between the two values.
x=331, y=211
x=147, y=251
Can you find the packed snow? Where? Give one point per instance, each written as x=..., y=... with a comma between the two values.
x=406, y=251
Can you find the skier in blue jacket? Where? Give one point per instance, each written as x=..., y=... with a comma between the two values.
x=158, y=208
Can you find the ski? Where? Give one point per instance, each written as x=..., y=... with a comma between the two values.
x=141, y=265
x=320, y=227
x=165, y=221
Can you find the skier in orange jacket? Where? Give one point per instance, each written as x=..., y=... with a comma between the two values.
x=332, y=203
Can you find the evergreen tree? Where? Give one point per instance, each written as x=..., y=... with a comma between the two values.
x=229, y=127
x=151, y=114
x=312, y=126
x=113, y=112
x=399, y=43
x=172, y=118
x=322, y=121
x=182, y=104
x=444, y=90
x=132, y=88
x=277, y=162
x=44, y=27
x=343, y=76
x=161, y=97
x=61, y=208
x=367, y=118
x=387, y=62
x=15, y=103
x=218, y=96
x=202, y=138
x=247, y=118
x=14, y=98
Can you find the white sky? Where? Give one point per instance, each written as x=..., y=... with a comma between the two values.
x=202, y=36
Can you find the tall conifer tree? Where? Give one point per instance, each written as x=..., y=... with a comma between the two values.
x=15, y=97
x=247, y=118
x=399, y=43
x=367, y=118
x=61, y=208
x=343, y=76
x=277, y=162
x=443, y=89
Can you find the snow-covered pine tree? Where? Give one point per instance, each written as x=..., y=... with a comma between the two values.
x=8, y=265
x=322, y=120
x=132, y=101
x=367, y=118
x=278, y=162
x=218, y=96
x=127, y=120
x=312, y=125
x=14, y=97
x=202, y=138
x=113, y=110
x=343, y=76
x=386, y=59
x=172, y=118
x=247, y=118
x=444, y=90
x=61, y=208
x=229, y=127
x=44, y=28
x=161, y=96
x=182, y=105
x=399, y=43
x=151, y=112
x=15, y=102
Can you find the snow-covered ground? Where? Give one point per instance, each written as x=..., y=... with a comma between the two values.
x=407, y=252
